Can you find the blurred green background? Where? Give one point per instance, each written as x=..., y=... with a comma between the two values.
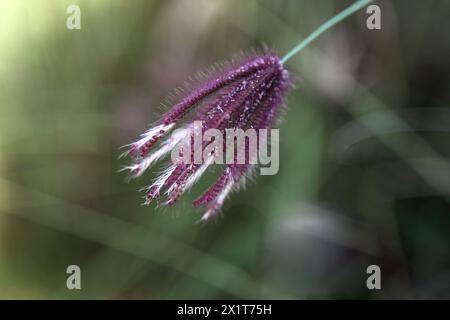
x=364, y=173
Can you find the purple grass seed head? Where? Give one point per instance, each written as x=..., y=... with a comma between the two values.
x=248, y=94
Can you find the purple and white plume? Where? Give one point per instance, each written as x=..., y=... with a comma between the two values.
x=246, y=95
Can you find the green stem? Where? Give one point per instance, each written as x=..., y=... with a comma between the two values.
x=324, y=27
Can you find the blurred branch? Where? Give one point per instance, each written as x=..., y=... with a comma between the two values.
x=118, y=234
x=380, y=118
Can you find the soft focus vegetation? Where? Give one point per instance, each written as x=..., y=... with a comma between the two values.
x=364, y=175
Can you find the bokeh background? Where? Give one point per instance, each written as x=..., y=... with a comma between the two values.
x=364, y=175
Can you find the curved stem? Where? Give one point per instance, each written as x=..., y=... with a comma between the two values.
x=324, y=27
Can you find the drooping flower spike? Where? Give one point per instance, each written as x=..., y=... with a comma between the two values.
x=247, y=95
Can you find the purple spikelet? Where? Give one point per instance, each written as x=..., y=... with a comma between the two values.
x=246, y=95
